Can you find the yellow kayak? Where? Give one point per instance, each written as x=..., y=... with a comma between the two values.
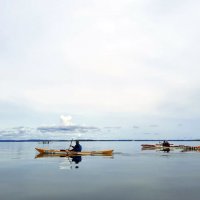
x=73, y=153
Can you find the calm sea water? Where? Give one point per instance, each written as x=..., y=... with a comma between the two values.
x=129, y=174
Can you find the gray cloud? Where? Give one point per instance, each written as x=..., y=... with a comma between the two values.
x=72, y=128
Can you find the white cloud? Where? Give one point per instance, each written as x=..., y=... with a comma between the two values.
x=66, y=120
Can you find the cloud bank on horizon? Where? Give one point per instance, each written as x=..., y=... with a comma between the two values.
x=69, y=131
x=100, y=59
x=65, y=131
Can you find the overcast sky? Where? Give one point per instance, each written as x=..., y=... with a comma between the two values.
x=131, y=63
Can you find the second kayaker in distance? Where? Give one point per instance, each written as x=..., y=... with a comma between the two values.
x=77, y=147
x=165, y=143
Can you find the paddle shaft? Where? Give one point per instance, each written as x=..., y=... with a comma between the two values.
x=70, y=144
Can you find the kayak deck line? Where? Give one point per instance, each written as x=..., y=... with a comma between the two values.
x=73, y=153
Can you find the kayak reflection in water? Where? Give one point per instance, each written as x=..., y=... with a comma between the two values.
x=77, y=147
x=76, y=159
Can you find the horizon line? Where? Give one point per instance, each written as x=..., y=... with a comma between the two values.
x=90, y=140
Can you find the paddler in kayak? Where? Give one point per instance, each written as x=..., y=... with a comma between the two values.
x=166, y=146
x=165, y=143
x=77, y=147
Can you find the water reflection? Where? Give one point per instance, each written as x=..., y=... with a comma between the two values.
x=166, y=150
x=76, y=159
x=67, y=162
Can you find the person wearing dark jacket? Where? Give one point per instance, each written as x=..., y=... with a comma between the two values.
x=166, y=143
x=77, y=147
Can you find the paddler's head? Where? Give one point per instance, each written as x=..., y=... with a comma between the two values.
x=77, y=142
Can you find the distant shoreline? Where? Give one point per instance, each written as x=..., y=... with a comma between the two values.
x=99, y=140
x=82, y=140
